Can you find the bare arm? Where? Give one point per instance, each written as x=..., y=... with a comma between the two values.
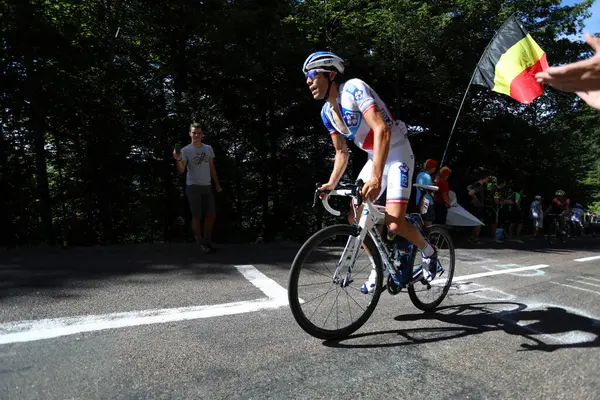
x=213, y=175
x=180, y=163
x=341, y=159
x=446, y=197
x=381, y=142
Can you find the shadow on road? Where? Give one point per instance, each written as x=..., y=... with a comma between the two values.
x=549, y=329
x=24, y=272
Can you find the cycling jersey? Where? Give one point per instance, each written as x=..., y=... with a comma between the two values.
x=559, y=206
x=355, y=99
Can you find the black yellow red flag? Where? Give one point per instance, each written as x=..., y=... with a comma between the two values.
x=510, y=62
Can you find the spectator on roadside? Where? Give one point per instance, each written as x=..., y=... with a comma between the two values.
x=198, y=158
x=477, y=205
x=516, y=217
x=500, y=204
x=577, y=219
x=537, y=215
x=425, y=178
x=442, y=196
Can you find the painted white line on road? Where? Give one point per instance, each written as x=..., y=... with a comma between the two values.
x=583, y=282
x=589, y=278
x=587, y=259
x=266, y=285
x=575, y=287
x=491, y=273
x=26, y=331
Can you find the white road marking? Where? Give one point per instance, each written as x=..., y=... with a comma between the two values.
x=267, y=285
x=491, y=273
x=583, y=282
x=26, y=331
x=589, y=278
x=529, y=319
x=587, y=259
x=575, y=287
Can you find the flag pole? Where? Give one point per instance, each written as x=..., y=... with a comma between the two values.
x=468, y=86
x=457, y=115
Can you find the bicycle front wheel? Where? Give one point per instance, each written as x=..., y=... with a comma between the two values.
x=326, y=300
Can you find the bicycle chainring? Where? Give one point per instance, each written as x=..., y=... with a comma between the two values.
x=392, y=288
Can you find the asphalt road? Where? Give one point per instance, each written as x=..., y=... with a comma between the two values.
x=82, y=324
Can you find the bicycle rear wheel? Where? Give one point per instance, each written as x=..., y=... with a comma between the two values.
x=434, y=292
x=308, y=267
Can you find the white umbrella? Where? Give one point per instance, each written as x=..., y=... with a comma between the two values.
x=458, y=216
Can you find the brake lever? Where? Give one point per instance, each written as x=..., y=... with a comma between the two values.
x=316, y=196
x=357, y=192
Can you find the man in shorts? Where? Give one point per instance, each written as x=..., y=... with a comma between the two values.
x=198, y=159
x=353, y=111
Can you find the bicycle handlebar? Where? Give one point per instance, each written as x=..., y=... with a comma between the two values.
x=349, y=190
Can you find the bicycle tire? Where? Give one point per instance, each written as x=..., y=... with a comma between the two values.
x=305, y=250
x=450, y=271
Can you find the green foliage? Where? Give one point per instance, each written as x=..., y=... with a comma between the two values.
x=104, y=89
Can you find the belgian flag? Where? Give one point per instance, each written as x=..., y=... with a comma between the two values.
x=510, y=62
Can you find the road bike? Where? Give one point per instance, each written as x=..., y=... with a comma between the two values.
x=362, y=249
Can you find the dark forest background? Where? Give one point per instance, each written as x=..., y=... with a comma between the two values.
x=95, y=94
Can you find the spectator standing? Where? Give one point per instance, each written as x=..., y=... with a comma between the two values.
x=537, y=215
x=442, y=196
x=477, y=205
x=198, y=159
x=516, y=217
x=500, y=204
x=425, y=178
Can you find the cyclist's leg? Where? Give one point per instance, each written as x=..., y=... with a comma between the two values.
x=365, y=175
x=561, y=221
x=400, y=172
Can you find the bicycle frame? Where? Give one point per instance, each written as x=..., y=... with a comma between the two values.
x=372, y=215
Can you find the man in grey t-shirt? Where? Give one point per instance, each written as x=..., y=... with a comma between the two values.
x=198, y=159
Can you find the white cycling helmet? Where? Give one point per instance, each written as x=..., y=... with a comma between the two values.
x=323, y=59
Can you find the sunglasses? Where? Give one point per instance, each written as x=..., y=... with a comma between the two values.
x=312, y=74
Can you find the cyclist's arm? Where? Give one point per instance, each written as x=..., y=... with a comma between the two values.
x=341, y=158
x=381, y=143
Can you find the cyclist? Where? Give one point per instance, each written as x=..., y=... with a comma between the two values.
x=560, y=206
x=354, y=111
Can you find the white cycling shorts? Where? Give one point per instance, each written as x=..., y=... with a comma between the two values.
x=397, y=174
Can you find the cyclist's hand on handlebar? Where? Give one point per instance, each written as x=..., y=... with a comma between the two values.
x=325, y=187
x=371, y=189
